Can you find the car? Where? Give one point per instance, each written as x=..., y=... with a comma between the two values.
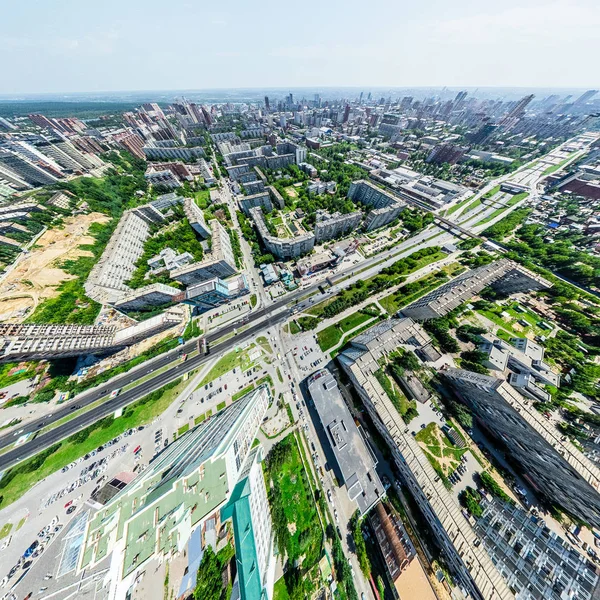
x=423, y=425
x=115, y=393
x=68, y=503
x=71, y=509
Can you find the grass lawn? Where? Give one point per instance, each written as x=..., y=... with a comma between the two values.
x=294, y=327
x=228, y=362
x=471, y=206
x=410, y=292
x=69, y=450
x=459, y=205
x=264, y=344
x=253, y=300
x=516, y=198
x=280, y=591
x=555, y=168
x=183, y=429
x=279, y=375
x=296, y=523
x=202, y=198
x=221, y=405
x=511, y=324
x=200, y=418
x=21, y=523
x=5, y=530
x=331, y=336
x=440, y=451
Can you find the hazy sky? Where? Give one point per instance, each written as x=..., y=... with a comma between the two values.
x=68, y=45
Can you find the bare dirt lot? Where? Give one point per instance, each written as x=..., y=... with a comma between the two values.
x=37, y=275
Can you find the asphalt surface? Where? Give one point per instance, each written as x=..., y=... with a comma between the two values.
x=45, y=440
x=262, y=315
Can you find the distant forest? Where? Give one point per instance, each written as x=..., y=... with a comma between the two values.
x=82, y=110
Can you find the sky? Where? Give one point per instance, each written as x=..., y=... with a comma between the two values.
x=56, y=46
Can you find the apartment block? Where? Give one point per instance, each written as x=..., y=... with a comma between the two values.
x=370, y=195
x=189, y=482
x=380, y=217
x=195, y=217
x=156, y=152
x=467, y=559
x=248, y=509
x=219, y=262
x=329, y=226
x=106, y=282
x=550, y=463
x=262, y=199
x=284, y=248
x=505, y=276
x=534, y=560
x=38, y=342
x=155, y=294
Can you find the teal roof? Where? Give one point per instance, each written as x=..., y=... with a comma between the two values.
x=238, y=508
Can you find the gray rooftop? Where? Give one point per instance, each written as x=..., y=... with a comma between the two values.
x=354, y=458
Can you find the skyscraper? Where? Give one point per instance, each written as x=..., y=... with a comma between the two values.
x=190, y=481
x=267, y=105
x=585, y=97
x=516, y=112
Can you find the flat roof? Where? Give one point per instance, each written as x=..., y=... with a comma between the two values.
x=351, y=452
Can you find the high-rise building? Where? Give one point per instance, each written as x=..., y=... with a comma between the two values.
x=248, y=509
x=190, y=481
x=516, y=112
x=446, y=153
x=585, y=97
x=504, y=275
x=26, y=169
x=267, y=105
x=551, y=464
x=346, y=114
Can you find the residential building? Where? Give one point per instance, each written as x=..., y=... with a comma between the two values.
x=219, y=262
x=446, y=153
x=156, y=294
x=214, y=292
x=39, y=342
x=504, y=275
x=329, y=226
x=195, y=217
x=284, y=248
x=154, y=516
x=469, y=563
x=262, y=199
x=551, y=464
x=535, y=561
x=25, y=170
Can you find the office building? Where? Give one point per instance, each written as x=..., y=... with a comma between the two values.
x=154, y=516
x=550, y=463
x=469, y=563
x=355, y=460
x=284, y=248
x=214, y=292
x=248, y=509
x=219, y=262
x=504, y=275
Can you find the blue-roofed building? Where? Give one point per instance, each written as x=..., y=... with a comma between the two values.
x=214, y=292
x=248, y=509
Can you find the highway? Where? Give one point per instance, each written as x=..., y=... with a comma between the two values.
x=258, y=320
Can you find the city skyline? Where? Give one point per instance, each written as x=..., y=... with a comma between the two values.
x=214, y=48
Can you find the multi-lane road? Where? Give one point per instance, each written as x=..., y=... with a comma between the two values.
x=261, y=318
